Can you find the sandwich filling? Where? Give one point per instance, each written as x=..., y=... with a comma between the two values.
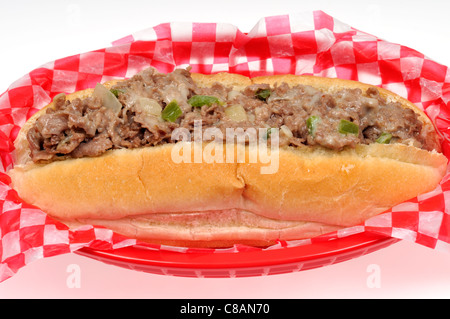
x=146, y=109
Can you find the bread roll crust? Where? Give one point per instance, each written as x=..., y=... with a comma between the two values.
x=320, y=188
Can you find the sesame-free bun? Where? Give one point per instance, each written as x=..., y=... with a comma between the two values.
x=143, y=193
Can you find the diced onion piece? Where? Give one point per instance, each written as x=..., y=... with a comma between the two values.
x=410, y=141
x=107, y=98
x=251, y=117
x=370, y=102
x=286, y=131
x=289, y=95
x=236, y=113
x=233, y=94
x=311, y=90
x=149, y=106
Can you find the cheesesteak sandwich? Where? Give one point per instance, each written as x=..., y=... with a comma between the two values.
x=110, y=156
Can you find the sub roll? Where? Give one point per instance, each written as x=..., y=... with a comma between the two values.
x=215, y=160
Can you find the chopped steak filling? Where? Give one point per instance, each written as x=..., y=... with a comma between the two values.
x=145, y=109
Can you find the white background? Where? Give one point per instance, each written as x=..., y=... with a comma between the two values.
x=35, y=32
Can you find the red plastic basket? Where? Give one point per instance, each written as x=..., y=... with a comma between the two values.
x=242, y=264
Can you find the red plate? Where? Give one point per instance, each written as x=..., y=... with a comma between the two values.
x=241, y=264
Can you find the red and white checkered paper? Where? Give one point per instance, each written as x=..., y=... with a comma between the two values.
x=308, y=43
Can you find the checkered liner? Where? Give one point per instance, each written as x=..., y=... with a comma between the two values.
x=308, y=43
